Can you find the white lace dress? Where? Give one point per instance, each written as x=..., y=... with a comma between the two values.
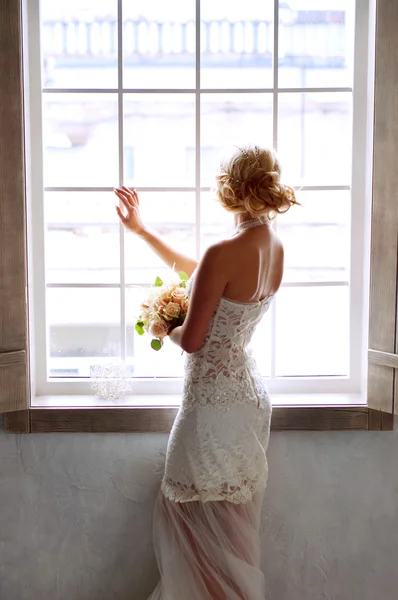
x=217, y=446
x=207, y=516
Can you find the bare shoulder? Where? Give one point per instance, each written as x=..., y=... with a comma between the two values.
x=215, y=260
x=218, y=252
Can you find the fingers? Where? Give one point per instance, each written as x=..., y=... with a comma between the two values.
x=124, y=198
x=121, y=192
x=129, y=196
x=132, y=193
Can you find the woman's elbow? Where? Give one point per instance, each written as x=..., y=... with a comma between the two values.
x=190, y=345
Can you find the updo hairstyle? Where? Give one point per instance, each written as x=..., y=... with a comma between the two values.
x=249, y=182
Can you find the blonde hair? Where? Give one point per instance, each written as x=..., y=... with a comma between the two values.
x=249, y=182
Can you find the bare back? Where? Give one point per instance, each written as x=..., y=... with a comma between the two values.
x=254, y=263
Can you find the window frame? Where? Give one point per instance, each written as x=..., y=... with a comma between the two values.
x=21, y=417
x=350, y=384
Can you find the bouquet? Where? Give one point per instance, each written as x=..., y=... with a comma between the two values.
x=165, y=308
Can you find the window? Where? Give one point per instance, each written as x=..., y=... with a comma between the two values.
x=154, y=95
x=373, y=139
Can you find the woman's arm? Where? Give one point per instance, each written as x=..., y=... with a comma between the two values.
x=170, y=256
x=133, y=222
x=209, y=286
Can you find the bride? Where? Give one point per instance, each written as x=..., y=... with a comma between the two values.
x=207, y=514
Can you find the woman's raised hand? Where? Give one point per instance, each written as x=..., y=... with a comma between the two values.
x=132, y=220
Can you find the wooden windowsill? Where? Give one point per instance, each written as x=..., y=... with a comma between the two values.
x=174, y=401
x=76, y=415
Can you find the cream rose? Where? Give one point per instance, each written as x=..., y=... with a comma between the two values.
x=172, y=310
x=159, y=328
x=165, y=296
x=178, y=295
x=160, y=304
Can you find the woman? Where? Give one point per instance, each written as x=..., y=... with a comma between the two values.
x=207, y=515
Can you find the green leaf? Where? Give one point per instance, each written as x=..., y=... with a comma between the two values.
x=158, y=282
x=140, y=322
x=139, y=329
x=183, y=276
x=156, y=344
x=183, y=284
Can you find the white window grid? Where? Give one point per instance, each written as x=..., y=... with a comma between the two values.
x=357, y=281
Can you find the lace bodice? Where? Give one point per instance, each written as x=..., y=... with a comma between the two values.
x=217, y=446
x=224, y=362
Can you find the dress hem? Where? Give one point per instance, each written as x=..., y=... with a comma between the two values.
x=239, y=497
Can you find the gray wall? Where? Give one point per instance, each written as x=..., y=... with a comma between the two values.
x=76, y=510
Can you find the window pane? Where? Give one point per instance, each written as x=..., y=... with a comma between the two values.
x=172, y=216
x=316, y=237
x=83, y=324
x=79, y=43
x=236, y=44
x=316, y=46
x=312, y=331
x=158, y=130
x=80, y=140
x=144, y=361
x=82, y=238
x=159, y=44
x=314, y=138
x=232, y=119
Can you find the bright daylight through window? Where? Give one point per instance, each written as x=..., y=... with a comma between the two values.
x=153, y=95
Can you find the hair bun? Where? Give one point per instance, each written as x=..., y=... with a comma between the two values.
x=250, y=182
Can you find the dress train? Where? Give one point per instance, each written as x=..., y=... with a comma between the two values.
x=208, y=550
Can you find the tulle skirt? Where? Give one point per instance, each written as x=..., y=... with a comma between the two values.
x=208, y=550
